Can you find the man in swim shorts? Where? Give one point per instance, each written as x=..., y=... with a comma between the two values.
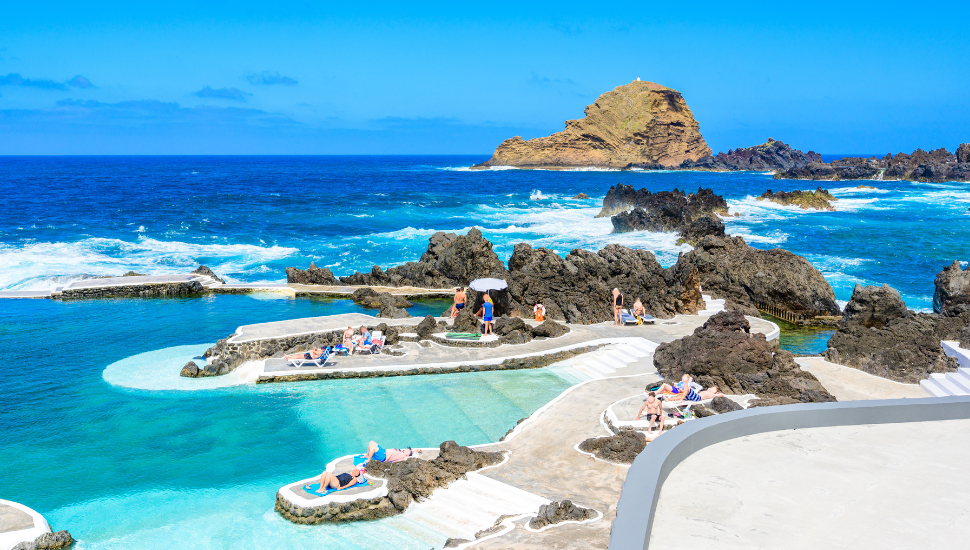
x=312, y=354
x=330, y=482
x=655, y=412
x=460, y=300
x=376, y=452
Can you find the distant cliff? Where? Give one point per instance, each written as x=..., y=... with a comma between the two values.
x=640, y=124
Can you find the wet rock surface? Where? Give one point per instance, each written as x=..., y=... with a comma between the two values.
x=558, y=512
x=731, y=269
x=880, y=336
x=736, y=362
x=820, y=199
x=952, y=293
x=621, y=198
x=621, y=448
x=772, y=155
x=191, y=370
x=934, y=166
x=311, y=276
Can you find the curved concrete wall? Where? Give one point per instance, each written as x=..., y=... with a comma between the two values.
x=641, y=490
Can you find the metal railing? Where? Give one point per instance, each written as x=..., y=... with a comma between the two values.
x=641, y=490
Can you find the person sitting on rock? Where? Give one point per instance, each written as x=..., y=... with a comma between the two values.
x=312, y=354
x=539, y=310
x=617, y=308
x=363, y=342
x=330, y=482
x=655, y=412
x=459, y=304
x=638, y=310
x=682, y=391
x=376, y=452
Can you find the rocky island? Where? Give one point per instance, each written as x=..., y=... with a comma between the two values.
x=693, y=215
x=640, y=124
x=820, y=199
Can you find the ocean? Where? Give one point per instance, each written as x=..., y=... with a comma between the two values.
x=98, y=439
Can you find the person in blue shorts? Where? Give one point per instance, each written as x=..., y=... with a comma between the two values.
x=376, y=452
x=486, y=313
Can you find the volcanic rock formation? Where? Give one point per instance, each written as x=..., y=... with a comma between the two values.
x=312, y=276
x=952, y=294
x=820, y=199
x=622, y=448
x=880, y=336
x=773, y=155
x=640, y=124
x=693, y=215
x=747, y=277
x=723, y=353
x=935, y=166
x=558, y=512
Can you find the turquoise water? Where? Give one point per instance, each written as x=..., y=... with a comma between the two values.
x=122, y=467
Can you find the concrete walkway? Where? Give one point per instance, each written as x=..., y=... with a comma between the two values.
x=19, y=523
x=859, y=487
x=849, y=384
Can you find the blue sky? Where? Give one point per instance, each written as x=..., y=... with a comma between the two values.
x=373, y=78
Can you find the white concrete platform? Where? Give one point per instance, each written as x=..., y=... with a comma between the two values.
x=19, y=523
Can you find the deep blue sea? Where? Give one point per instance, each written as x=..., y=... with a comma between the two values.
x=96, y=433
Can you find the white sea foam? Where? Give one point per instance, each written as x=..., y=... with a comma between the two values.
x=537, y=195
x=45, y=266
x=857, y=190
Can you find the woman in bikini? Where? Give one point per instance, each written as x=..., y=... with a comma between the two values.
x=617, y=308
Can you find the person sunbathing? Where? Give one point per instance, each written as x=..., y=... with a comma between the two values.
x=363, y=342
x=655, y=412
x=312, y=354
x=638, y=309
x=348, y=341
x=376, y=452
x=681, y=391
x=337, y=482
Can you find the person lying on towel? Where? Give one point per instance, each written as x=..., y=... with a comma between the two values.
x=681, y=391
x=330, y=482
x=376, y=452
x=312, y=354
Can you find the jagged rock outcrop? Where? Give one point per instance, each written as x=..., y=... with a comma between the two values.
x=720, y=353
x=772, y=155
x=204, y=270
x=621, y=198
x=820, y=199
x=641, y=124
x=723, y=405
x=48, y=541
x=311, y=276
x=578, y=288
x=746, y=276
x=952, y=294
x=934, y=166
x=621, y=448
x=389, y=306
x=191, y=370
x=558, y=512
x=426, y=327
x=880, y=336
x=451, y=260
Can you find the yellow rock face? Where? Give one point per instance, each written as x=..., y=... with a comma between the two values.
x=638, y=124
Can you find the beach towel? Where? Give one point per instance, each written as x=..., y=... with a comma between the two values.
x=315, y=488
x=463, y=336
x=360, y=461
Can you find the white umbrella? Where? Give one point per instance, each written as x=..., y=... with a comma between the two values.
x=484, y=285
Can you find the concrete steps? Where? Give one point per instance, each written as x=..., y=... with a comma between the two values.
x=711, y=306
x=470, y=505
x=946, y=384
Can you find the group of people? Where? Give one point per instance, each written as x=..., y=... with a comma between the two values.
x=681, y=391
x=351, y=342
x=337, y=482
x=486, y=312
x=638, y=310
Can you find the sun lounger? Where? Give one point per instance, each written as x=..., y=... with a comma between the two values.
x=630, y=319
x=318, y=362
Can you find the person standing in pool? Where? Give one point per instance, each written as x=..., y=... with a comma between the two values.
x=486, y=313
x=617, y=308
